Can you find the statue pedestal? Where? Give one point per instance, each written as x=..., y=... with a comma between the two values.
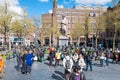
x=63, y=40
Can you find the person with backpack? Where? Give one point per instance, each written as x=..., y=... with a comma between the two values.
x=77, y=74
x=81, y=62
x=2, y=67
x=89, y=61
x=75, y=58
x=67, y=64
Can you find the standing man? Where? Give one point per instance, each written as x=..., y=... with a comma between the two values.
x=67, y=64
x=19, y=59
x=29, y=61
x=57, y=57
x=51, y=55
x=89, y=61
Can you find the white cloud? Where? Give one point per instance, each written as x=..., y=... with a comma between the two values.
x=90, y=2
x=43, y=0
x=17, y=9
x=13, y=6
x=60, y=6
x=50, y=11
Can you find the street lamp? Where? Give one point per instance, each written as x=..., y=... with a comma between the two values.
x=24, y=26
x=92, y=23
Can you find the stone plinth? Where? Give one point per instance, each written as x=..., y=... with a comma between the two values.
x=63, y=40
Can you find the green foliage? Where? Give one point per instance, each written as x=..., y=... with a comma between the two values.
x=112, y=22
x=77, y=31
x=17, y=27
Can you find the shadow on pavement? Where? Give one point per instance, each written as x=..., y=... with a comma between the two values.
x=56, y=77
x=48, y=64
x=59, y=73
x=96, y=64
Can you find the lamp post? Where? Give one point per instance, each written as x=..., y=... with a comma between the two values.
x=10, y=41
x=92, y=23
x=93, y=33
x=24, y=34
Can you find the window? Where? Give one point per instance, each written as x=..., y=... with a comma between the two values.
x=92, y=14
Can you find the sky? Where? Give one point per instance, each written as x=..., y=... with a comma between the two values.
x=35, y=8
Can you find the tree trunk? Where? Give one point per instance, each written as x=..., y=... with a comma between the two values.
x=96, y=41
x=5, y=35
x=114, y=38
x=78, y=41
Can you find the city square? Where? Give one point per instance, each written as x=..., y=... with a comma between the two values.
x=41, y=71
x=59, y=40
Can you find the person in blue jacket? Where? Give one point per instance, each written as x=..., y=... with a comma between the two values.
x=29, y=61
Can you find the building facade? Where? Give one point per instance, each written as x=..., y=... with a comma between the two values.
x=73, y=16
x=112, y=14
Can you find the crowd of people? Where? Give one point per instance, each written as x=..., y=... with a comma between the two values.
x=74, y=60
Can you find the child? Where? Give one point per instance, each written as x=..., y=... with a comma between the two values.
x=77, y=74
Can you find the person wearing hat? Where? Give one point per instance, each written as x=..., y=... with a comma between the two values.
x=77, y=74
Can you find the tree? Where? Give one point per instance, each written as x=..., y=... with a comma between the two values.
x=44, y=31
x=87, y=27
x=77, y=31
x=112, y=22
x=17, y=27
x=5, y=20
x=116, y=23
x=99, y=26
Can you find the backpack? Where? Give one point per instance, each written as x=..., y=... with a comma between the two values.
x=67, y=64
x=89, y=57
x=108, y=55
x=62, y=56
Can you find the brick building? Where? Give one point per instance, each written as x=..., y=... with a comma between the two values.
x=112, y=14
x=73, y=16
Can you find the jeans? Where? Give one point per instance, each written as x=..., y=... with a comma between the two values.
x=19, y=63
x=89, y=63
x=57, y=62
x=51, y=60
x=107, y=61
x=101, y=62
x=28, y=68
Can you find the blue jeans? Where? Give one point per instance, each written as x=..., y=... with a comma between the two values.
x=28, y=68
x=18, y=64
x=101, y=62
x=89, y=63
x=107, y=61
